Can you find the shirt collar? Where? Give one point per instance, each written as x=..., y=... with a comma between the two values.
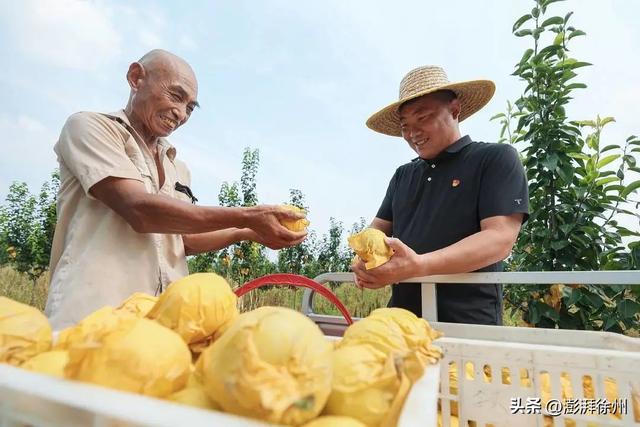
x=164, y=145
x=459, y=144
x=450, y=151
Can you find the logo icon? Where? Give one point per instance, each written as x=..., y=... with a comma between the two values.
x=518, y=201
x=455, y=182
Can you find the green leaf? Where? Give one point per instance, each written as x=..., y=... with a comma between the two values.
x=566, y=173
x=580, y=240
x=576, y=86
x=628, y=308
x=566, y=228
x=579, y=64
x=611, y=320
x=630, y=188
x=589, y=123
x=606, y=180
x=567, y=16
x=593, y=300
x=522, y=33
x=608, y=159
x=632, y=137
x=559, y=39
x=606, y=121
x=549, y=312
x=630, y=160
x=610, y=147
x=546, y=52
x=497, y=116
x=577, y=33
x=578, y=156
x=574, y=296
x=556, y=20
x=520, y=21
x=559, y=244
x=551, y=162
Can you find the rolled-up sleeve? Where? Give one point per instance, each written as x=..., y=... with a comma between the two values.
x=92, y=149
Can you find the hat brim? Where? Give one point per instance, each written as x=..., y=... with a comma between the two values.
x=473, y=95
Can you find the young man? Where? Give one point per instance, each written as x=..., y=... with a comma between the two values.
x=456, y=208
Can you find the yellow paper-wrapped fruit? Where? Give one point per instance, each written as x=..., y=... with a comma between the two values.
x=137, y=355
x=94, y=325
x=295, y=225
x=368, y=385
x=138, y=304
x=199, y=307
x=194, y=394
x=399, y=332
x=273, y=364
x=334, y=421
x=49, y=362
x=24, y=332
x=370, y=246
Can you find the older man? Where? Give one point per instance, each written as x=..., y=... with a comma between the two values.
x=456, y=208
x=126, y=218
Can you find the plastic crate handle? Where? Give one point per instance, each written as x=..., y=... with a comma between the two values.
x=295, y=280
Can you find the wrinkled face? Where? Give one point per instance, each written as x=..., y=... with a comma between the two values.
x=429, y=124
x=164, y=99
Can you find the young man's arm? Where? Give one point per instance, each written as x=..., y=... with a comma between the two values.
x=491, y=244
x=383, y=225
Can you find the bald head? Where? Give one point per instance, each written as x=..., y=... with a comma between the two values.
x=164, y=92
x=162, y=62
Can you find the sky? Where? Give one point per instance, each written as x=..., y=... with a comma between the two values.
x=296, y=80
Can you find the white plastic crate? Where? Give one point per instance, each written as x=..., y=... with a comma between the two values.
x=599, y=355
x=576, y=354
x=29, y=399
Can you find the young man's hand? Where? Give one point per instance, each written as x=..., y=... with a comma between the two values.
x=404, y=264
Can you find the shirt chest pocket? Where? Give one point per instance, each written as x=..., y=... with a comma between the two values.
x=137, y=158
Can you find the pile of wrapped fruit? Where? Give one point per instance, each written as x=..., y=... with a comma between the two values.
x=191, y=345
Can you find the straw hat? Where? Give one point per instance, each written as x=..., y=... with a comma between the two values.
x=473, y=95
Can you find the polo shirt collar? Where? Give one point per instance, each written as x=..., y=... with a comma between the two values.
x=459, y=144
x=450, y=151
x=164, y=145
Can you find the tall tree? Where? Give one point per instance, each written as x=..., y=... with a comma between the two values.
x=300, y=258
x=576, y=185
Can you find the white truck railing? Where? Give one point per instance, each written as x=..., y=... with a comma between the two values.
x=333, y=325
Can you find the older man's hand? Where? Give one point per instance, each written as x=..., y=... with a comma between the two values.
x=404, y=264
x=269, y=231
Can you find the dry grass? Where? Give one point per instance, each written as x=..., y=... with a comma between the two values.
x=359, y=302
x=20, y=288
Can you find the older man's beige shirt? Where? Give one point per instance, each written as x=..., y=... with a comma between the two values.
x=97, y=259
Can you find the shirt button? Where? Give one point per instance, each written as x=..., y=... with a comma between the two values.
x=429, y=179
x=433, y=166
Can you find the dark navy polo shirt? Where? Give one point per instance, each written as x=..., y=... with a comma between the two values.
x=435, y=203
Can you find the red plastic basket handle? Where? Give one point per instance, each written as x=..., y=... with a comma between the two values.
x=295, y=280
